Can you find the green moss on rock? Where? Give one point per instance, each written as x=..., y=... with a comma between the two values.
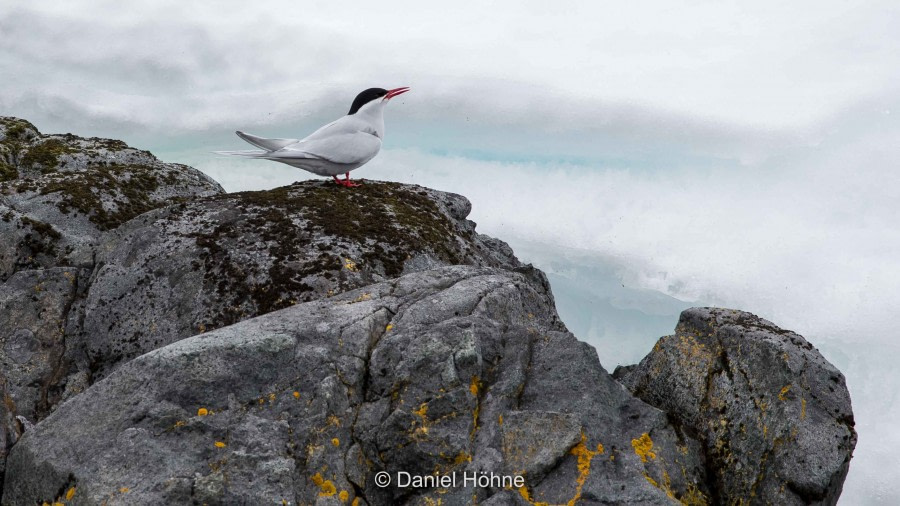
x=392, y=219
x=387, y=222
x=128, y=187
x=16, y=128
x=45, y=154
x=7, y=172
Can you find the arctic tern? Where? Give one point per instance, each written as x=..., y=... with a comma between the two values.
x=338, y=147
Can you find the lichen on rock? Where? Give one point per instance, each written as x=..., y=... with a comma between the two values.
x=283, y=346
x=774, y=416
x=231, y=257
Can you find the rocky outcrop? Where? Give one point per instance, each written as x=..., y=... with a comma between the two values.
x=162, y=342
x=773, y=415
x=451, y=369
x=61, y=196
x=236, y=256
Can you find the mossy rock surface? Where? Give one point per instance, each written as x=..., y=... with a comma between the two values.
x=208, y=263
x=80, y=189
x=7, y=172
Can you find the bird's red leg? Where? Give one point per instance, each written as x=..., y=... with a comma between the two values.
x=338, y=181
x=347, y=181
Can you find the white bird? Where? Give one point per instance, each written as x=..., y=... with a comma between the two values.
x=338, y=147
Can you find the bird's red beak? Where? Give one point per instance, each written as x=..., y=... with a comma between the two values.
x=396, y=91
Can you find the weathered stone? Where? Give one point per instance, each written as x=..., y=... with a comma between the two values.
x=60, y=194
x=310, y=401
x=205, y=264
x=372, y=354
x=33, y=309
x=773, y=414
x=535, y=441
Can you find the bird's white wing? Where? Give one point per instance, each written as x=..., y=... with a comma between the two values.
x=344, y=148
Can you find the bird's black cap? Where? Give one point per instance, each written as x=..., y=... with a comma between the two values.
x=366, y=97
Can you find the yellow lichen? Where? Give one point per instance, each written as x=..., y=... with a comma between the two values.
x=344, y=495
x=296, y=395
x=667, y=488
x=355, y=502
x=124, y=490
x=70, y=494
x=350, y=265
x=326, y=487
x=783, y=393
x=389, y=327
x=462, y=457
x=336, y=442
x=422, y=413
x=219, y=444
x=802, y=408
x=474, y=386
x=202, y=412
x=362, y=298
x=643, y=447
x=271, y=397
x=693, y=497
x=500, y=420
x=523, y=491
x=584, y=456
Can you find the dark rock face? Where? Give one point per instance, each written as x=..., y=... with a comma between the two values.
x=162, y=342
x=774, y=416
x=451, y=369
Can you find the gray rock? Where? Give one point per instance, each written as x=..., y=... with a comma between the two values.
x=535, y=441
x=61, y=194
x=33, y=308
x=310, y=401
x=212, y=262
x=774, y=416
x=136, y=368
x=60, y=197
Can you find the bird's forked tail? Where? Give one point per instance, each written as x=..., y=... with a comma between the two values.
x=267, y=146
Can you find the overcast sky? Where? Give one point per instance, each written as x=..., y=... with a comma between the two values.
x=199, y=64
x=740, y=153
